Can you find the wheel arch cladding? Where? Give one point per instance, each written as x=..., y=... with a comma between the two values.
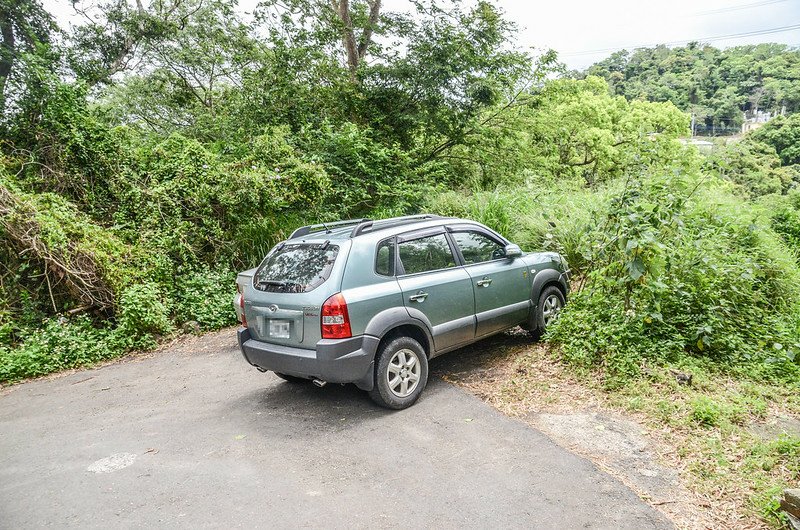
x=397, y=321
x=408, y=330
x=545, y=279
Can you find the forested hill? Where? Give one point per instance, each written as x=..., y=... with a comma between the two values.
x=714, y=85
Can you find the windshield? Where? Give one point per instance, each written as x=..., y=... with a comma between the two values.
x=296, y=268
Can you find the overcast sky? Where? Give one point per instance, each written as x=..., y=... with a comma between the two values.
x=585, y=31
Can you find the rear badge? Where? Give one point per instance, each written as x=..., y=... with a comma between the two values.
x=311, y=311
x=272, y=307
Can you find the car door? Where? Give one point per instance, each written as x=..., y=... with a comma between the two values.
x=435, y=285
x=501, y=285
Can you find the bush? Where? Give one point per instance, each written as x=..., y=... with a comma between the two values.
x=783, y=134
x=535, y=217
x=58, y=344
x=753, y=165
x=682, y=267
x=784, y=214
x=706, y=411
x=205, y=296
x=143, y=316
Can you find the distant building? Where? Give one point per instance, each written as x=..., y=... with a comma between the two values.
x=755, y=119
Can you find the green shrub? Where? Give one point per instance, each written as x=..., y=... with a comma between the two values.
x=705, y=411
x=752, y=165
x=143, y=315
x=536, y=218
x=205, y=296
x=684, y=268
x=58, y=344
x=783, y=134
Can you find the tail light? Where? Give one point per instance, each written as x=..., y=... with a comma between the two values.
x=241, y=304
x=335, y=320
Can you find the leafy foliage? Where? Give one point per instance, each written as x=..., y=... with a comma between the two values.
x=753, y=165
x=783, y=134
x=714, y=85
x=58, y=345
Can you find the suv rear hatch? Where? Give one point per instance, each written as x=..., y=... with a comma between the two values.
x=283, y=301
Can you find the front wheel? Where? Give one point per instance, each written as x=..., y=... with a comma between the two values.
x=401, y=373
x=549, y=305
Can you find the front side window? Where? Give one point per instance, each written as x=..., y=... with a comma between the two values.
x=296, y=268
x=477, y=248
x=426, y=254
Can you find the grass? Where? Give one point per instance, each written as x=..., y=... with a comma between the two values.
x=735, y=443
x=727, y=437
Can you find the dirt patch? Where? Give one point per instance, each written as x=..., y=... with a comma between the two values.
x=780, y=424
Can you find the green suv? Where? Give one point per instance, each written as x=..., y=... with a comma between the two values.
x=370, y=302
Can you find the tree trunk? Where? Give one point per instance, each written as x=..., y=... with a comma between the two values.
x=356, y=52
x=6, y=54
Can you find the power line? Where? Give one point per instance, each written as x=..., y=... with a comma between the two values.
x=736, y=8
x=701, y=39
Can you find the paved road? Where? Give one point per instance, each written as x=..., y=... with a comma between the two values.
x=193, y=437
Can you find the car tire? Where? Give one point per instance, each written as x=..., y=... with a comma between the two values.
x=292, y=378
x=551, y=300
x=401, y=373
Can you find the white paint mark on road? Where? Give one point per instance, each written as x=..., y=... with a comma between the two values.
x=112, y=463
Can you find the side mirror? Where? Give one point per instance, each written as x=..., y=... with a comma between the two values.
x=513, y=251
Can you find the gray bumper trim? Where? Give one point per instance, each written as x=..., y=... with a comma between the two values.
x=335, y=361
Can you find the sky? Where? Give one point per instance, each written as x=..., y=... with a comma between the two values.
x=586, y=31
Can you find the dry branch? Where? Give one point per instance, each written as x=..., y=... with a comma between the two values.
x=67, y=264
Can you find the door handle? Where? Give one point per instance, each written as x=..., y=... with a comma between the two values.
x=419, y=297
x=485, y=282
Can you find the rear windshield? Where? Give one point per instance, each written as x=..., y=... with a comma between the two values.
x=296, y=268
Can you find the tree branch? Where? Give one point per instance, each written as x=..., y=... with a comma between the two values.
x=366, y=35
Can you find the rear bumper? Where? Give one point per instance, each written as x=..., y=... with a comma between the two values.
x=335, y=361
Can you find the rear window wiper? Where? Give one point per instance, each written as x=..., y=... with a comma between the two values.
x=285, y=287
x=271, y=282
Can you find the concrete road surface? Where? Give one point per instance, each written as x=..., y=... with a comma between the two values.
x=193, y=437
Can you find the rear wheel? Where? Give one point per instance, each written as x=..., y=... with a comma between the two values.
x=549, y=305
x=292, y=378
x=401, y=373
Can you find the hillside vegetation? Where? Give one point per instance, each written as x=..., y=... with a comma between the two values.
x=153, y=151
x=715, y=86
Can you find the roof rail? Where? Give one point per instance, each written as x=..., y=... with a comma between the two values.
x=369, y=225
x=304, y=230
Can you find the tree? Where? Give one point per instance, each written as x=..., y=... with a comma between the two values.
x=25, y=28
x=117, y=36
x=783, y=135
x=576, y=129
x=349, y=24
x=186, y=70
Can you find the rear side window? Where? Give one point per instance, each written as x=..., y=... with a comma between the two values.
x=477, y=248
x=384, y=260
x=426, y=254
x=296, y=268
